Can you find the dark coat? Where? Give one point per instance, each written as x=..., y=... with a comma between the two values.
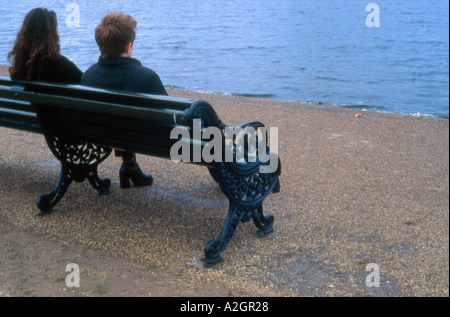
x=60, y=70
x=123, y=73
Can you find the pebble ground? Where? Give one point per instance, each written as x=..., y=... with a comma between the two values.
x=357, y=188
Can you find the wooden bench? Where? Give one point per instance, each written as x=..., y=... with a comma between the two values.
x=83, y=125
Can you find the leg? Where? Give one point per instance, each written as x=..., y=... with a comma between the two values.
x=101, y=185
x=46, y=202
x=216, y=246
x=276, y=188
x=130, y=170
x=214, y=173
x=263, y=223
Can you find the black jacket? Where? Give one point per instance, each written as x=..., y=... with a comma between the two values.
x=60, y=70
x=123, y=73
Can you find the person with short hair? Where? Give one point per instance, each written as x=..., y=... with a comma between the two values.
x=117, y=70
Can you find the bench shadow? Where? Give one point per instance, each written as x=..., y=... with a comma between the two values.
x=143, y=204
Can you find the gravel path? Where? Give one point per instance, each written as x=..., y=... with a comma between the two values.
x=357, y=188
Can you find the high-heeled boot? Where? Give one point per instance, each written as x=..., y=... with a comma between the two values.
x=130, y=170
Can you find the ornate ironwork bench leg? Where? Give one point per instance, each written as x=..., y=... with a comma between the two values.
x=263, y=223
x=102, y=185
x=46, y=202
x=79, y=159
x=235, y=215
x=69, y=173
x=215, y=247
x=244, y=185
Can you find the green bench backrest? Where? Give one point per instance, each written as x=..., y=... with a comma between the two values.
x=127, y=121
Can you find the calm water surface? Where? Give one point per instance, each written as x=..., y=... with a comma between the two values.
x=301, y=50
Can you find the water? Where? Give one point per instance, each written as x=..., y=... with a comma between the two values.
x=300, y=50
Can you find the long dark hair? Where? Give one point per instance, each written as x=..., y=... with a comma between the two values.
x=36, y=44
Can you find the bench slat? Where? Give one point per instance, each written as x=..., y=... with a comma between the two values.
x=17, y=105
x=154, y=115
x=23, y=126
x=115, y=121
x=25, y=121
x=96, y=94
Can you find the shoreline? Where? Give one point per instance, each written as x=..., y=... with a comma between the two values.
x=360, y=108
x=4, y=72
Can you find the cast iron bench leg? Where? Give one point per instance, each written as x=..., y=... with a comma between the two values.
x=263, y=223
x=46, y=202
x=68, y=174
x=101, y=185
x=215, y=247
x=79, y=161
x=235, y=215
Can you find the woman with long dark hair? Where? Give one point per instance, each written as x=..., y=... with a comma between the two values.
x=36, y=53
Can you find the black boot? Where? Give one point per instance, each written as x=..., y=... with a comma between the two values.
x=130, y=170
